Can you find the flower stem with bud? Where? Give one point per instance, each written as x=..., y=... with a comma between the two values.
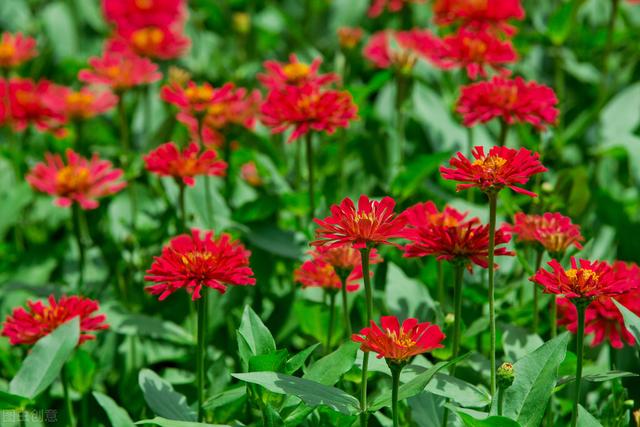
x=493, y=201
x=309, y=143
x=364, y=253
x=581, y=307
x=201, y=304
x=344, y=276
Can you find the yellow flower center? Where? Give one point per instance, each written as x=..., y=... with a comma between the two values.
x=296, y=71
x=477, y=48
x=507, y=96
x=401, y=339
x=144, y=4
x=216, y=109
x=198, y=94
x=147, y=39
x=490, y=163
x=79, y=103
x=443, y=220
x=364, y=216
x=477, y=5
x=194, y=258
x=581, y=275
x=7, y=50
x=72, y=179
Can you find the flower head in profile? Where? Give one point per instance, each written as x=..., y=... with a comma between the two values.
x=82, y=104
x=185, y=165
x=120, y=69
x=511, y=100
x=501, y=167
x=475, y=51
x=307, y=108
x=379, y=6
x=399, y=343
x=16, y=49
x=24, y=106
x=295, y=73
x=193, y=98
x=368, y=224
x=585, y=280
x=40, y=319
x=327, y=265
x=191, y=262
x=552, y=231
x=448, y=236
x=402, y=49
x=349, y=37
x=479, y=14
x=78, y=180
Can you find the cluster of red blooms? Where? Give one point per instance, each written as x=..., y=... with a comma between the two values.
x=299, y=98
x=152, y=28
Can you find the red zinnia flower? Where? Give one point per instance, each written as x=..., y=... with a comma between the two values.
x=512, y=100
x=79, y=105
x=185, y=165
x=378, y=6
x=25, y=106
x=448, y=236
x=348, y=37
x=553, y=231
x=155, y=41
x=140, y=13
x=294, y=73
x=307, y=108
x=81, y=181
x=371, y=223
x=584, y=280
x=28, y=326
x=479, y=14
x=502, y=167
x=192, y=261
x=399, y=343
x=408, y=47
x=476, y=50
x=120, y=69
x=16, y=49
x=194, y=98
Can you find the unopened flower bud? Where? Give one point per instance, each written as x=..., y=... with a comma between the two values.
x=505, y=375
x=449, y=319
x=241, y=22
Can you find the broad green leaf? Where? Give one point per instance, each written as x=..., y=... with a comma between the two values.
x=48, y=356
x=597, y=376
x=535, y=379
x=457, y=390
x=310, y=392
x=493, y=421
x=585, y=419
x=163, y=399
x=268, y=362
x=631, y=321
x=225, y=397
x=81, y=369
x=407, y=297
x=255, y=334
x=276, y=241
x=330, y=368
x=164, y=422
x=60, y=29
x=117, y=415
x=297, y=361
x=143, y=325
x=12, y=401
x=517, y=342
x=559, y=24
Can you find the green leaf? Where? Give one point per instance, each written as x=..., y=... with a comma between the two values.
x=490, y=421
x=117, y=415
x=407, y=297
x=518, y=342
x=255, y=335
x=631, y=321
x=330, y=368
x=276, y=241
x=585, y=419
x=164, y=422
x=457, y=390
x=81, y=369
x=13, y=401
x=535, y=379
x=559, y=24
x=225, y=397
x=310, y=392
x=297, y=361
x=268, y=362
x=143, y=325
x=597, y=377
x=415, y=385
x=48, y=356
x=60, y=29
x=163, y=399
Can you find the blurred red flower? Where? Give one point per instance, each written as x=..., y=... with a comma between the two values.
x=475, y=50
x=194, y=98
x=479, y=14
x=185, y=165
x=28, y=326
x=401, y=49
x=155, y=42
x=80, y=180
x=294, y=73
x=141, y=13
x=79, y=105
x=398, y=343
x=190, y=262
x=448, y=236
x=250, y=174
x=120, y=69
x=512, y=100
x=370, y=223
x=379, y=6
x=307, y=108
x=25, y=105
x=349, y=37
x=584, y=280
x=502, y=167
x=16, y=49
x=552, y=230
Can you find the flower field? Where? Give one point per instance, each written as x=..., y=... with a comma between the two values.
x=320, y=213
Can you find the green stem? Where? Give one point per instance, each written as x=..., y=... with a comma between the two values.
x=607, y=50
x=80, y=148
x=554, y=317
x=395, y=379
x=312, y=198
x=500, y=400
x=397, y=154
x=581, y=308
x=441, y=293
x=227, y=177
x=124, y=127
x=457, y=295
x=504, y=130
x=345, y=305
x=182, y=207
x=201, y=304
x=207, y=200
x=364, y=253
x=536, y=294
x=76, y=214
x=332, y=311
x=67, y=399
x=493, y=201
